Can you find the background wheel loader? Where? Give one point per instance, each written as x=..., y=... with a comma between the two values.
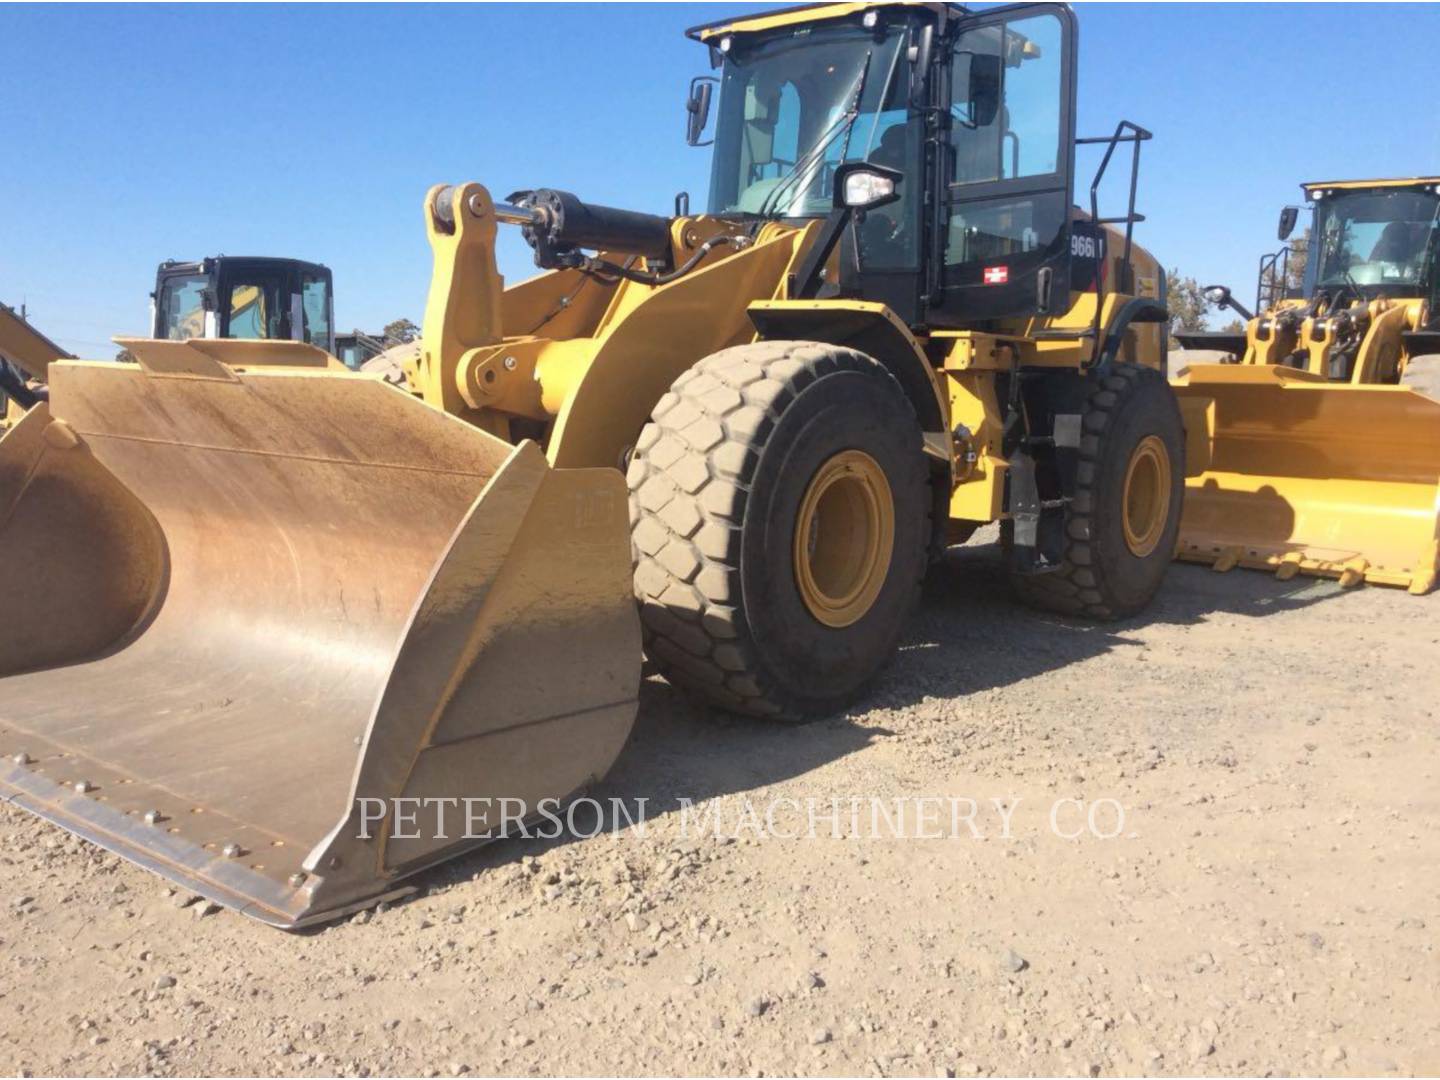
x=890, y=327
x=25, y=357
x=1317, y=448
x=221, y=297
x=356, y=349
x=258, y=298
x=252, y=297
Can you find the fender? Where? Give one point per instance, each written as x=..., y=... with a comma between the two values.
x=1138, y=309
x=652, y=335
x=876, y=331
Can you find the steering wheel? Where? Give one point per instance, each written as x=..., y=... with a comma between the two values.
x=881, y=233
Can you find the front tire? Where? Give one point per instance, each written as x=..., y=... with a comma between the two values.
x=1123, y=520
x=780, y=513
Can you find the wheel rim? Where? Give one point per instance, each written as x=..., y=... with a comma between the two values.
x=1147, y=496
x=844, y=536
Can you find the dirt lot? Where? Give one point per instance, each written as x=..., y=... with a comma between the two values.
x=1270, y=903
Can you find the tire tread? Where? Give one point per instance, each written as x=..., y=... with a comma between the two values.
x=1075, y=589
x=723, y=410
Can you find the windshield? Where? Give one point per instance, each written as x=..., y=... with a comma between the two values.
x=794, y=107
x=252, y=303
x=182, y=311
x=1382, y=238
x=351, y=355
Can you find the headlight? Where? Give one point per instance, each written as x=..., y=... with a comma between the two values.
x=867, y=188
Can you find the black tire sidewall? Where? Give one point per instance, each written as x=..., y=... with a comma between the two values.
x=1128, y=581
x=812, y=665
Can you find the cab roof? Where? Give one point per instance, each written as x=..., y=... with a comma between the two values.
x=798, y=16
x=1356, y=185
x=181, y=266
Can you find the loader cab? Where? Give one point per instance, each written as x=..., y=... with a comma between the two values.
x=975, y=111
x=355, y=348
x=1374, y=238
x=240, y=297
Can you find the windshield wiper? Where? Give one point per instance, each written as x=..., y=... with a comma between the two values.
x=1354, y=285
x=807, y=161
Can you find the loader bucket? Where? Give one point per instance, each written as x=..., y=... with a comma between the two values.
x=242, y=613
x=1294, y=474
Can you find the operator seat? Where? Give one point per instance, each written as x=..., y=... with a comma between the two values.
x=1397, y=243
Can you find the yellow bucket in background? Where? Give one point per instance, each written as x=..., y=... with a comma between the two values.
x=1291, y=473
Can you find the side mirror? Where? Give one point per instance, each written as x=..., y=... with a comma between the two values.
x=863, y=185
x=1219, y=295
x=697, y=108
x=1288, y=216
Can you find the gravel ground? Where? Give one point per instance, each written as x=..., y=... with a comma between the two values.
x=1268, y=902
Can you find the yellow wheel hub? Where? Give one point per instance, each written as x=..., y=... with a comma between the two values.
x=1147, y=496
x=844, y=536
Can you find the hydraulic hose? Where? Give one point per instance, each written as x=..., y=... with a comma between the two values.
x=601, y=266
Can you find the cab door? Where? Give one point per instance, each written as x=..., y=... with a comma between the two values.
x=1005, y=213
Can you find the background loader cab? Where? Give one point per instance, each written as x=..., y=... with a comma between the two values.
x=356, y=348
x=1362, y=309
x=244, y=297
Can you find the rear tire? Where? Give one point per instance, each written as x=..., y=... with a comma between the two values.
x=780, y=513
x=1121, y=526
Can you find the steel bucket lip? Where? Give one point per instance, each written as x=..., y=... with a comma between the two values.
x=251, y=893
x=244, y=891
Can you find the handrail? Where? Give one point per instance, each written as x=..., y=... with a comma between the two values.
x=1125, y=132
x=1279, y=283
x=1263, y=294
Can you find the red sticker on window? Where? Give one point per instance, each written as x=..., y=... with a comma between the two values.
x=997, y=275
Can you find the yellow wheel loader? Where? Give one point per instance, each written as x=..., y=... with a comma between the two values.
x=25, y=358
x=1316, y=448
x=260, y=298
x=306, y=632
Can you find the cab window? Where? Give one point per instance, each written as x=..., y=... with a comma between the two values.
x=1007, y=198
x=1006, y=94
x=995, y=230
x=1006, y=125
x=315, y=302
x=249, y=311
x=182, y=310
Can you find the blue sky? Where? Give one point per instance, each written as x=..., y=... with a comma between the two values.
x=134, y=134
